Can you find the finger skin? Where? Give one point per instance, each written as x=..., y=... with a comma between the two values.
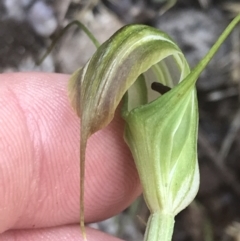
x=39, y=158
x=71, y=233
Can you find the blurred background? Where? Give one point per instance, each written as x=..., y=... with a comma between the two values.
x=27, y=28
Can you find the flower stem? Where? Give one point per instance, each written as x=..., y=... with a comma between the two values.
x=159, y=227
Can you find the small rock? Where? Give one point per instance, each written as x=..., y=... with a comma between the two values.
x=42, y=19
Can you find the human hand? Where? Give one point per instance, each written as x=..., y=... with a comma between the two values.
x=39, y=164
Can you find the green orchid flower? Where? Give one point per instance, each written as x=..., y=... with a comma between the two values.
x=146, y=67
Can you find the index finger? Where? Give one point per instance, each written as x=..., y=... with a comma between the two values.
x=39, y=158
